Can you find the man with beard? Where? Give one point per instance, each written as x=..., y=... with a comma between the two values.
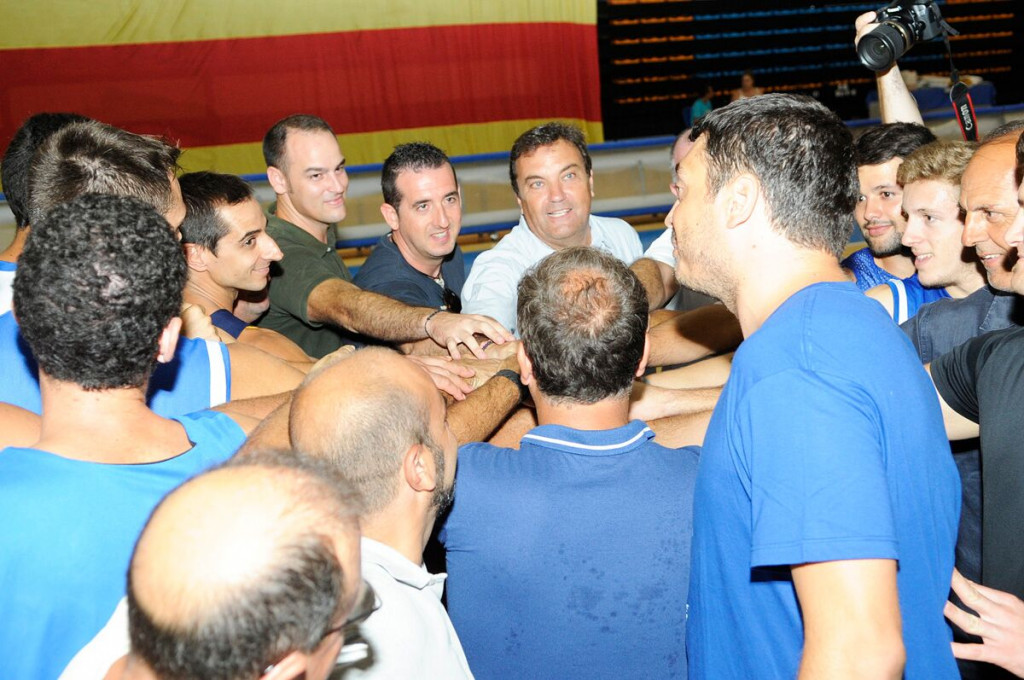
x=879, y=212
x=569, y=558
x=826, y=504
x=380, y=419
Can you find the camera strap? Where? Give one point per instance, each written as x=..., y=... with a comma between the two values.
x=959, y=95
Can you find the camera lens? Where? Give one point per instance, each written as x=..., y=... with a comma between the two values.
x=883, y=46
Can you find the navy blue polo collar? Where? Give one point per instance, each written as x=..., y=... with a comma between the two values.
x=621, y=440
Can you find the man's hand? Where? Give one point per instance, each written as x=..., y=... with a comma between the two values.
x=895, y=102
x=450, y=330
x=448, y=376
x=865, y=23
x=196, y=323
x=250, y=306
x=999, y=623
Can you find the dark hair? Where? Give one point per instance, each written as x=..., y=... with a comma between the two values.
x=98, y=281
x=289, y=606
x=546, y=135
x=203, y=193
x=582, y=317
x=801, y=154
x=274, y=140
x=93, y=157
x=890, y=140
x=1013, y=127
x=1020, y=159
x=414, y=157
x=18, y=158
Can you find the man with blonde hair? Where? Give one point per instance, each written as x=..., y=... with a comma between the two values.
x=930, y=178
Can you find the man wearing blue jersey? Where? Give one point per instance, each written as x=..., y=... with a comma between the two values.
x=826, y=504
x=74, y=501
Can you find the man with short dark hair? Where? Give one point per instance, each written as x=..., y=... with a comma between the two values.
x=569, y=558
x=228, y=251
x=92, y=157
x=248, y=571
x=419, y=261
x=312, y=298
x=799, y=524
x=878, y=154
x=74, y=502
x=552, y=176
x=14, y=170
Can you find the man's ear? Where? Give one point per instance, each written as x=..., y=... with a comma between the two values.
x=525, y=366
x=390, y=215
x=590, y=181
x=291, y=666
x=168, y=340
x=418, y=468
x=194, y=257
x=646, y=355
x=277, y=180
x=741, y=194
x=519, y=202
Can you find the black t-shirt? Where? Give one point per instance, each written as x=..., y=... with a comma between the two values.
x=983, y=380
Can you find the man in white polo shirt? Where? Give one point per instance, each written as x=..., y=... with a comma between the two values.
x=552, y=177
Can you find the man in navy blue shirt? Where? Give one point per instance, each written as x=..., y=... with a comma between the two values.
x=569, y=558
x=418, y=262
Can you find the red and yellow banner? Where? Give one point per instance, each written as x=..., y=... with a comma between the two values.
x=467, y=75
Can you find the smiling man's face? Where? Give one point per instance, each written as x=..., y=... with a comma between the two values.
x=554, y=194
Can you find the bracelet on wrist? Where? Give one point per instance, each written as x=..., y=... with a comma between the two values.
x=427, y=321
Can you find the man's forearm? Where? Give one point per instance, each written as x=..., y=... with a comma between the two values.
x=647, y=402
x=652, y=277
x=483, y=410
x=895, y=101
x=694, y=335
x=346, y=305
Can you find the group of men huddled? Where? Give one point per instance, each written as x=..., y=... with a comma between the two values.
x=226, y=457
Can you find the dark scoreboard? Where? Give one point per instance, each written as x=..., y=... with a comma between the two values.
x=658, y=56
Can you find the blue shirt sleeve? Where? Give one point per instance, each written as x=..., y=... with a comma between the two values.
x=817, y=477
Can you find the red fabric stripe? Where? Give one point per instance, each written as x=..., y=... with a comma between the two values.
x=231, y=91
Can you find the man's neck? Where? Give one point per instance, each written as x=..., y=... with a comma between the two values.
x=13, y=251
x=970, y=281
x=897, y=264
x=606, y=414
x=287, y=212
x=431, y=266
x=760, y=292
x=200, y=289
x=105, y=426
x=403, y=526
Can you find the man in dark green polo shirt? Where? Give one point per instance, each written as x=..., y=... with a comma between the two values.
x=312, y=299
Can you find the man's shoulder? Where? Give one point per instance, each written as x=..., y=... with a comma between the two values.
x=618, y=236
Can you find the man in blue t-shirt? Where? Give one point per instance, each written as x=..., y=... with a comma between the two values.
x=74, y=502
x=569, y=558
x=826, y=504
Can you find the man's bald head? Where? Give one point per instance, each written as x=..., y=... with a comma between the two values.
x=362, y=414
x=242, y=566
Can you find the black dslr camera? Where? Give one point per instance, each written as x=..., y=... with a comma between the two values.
x=901, y=25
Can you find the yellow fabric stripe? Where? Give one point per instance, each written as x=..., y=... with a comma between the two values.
x=374, y=147
x=75, y=23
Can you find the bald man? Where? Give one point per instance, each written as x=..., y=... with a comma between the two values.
x=395, y=443
x=251, y=570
